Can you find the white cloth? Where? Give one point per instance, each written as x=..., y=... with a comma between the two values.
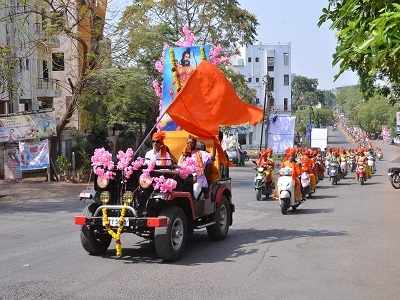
x=152, y=156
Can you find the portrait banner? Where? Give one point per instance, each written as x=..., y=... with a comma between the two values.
x=180, y=62
x=29, y=126
x=281, y=133
x=34, y=155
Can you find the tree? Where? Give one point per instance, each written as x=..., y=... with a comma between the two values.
x=117, y=98
x=368, y=42
x=147, y=25
x=304, y=91
x=8, y=85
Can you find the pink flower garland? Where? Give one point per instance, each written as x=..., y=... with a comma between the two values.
x=157, y=88
x=186, y=168
x=164, y=185
x=216, y=56
x=126, y=164
x=102, y=163
x=188, y=39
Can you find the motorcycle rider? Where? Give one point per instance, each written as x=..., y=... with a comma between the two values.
x=307, y=165
x=290, y=162
x=265, y=161
x=362, y=161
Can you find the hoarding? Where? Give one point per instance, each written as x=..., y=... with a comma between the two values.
x=34, y=155
x=30, y=126
x=186, y=61
x=319, y=138
x=281, y=133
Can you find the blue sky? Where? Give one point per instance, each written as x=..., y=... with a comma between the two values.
x=296, y=22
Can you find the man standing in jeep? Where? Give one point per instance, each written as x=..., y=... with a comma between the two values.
x=160, y=153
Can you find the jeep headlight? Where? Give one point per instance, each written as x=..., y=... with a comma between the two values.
x=127, y=197
x=105, y=197
x=102, y=182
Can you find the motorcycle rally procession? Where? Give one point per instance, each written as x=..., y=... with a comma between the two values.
x=295, y=177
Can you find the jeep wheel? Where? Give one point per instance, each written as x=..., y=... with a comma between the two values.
x=170, y=242
x=92, y=242
x=219, y=230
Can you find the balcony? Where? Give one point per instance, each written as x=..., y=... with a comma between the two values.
x=48, y=88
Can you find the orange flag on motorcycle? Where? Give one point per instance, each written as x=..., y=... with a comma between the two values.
x=208, y=100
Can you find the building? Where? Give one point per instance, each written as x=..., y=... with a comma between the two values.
x=254, y=62
x=44, y=67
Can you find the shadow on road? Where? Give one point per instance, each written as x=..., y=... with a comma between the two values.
x=310, y=211
x=321, y=197
x=41, y=206
x=240, y=242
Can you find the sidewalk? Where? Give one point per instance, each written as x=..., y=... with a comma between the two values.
x=38, y=190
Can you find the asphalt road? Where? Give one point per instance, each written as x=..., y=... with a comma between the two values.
x=342, y=244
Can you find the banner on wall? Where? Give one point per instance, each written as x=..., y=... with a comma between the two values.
x=31, y=126
x=281, y=133
x=34, y=155
x=12, y=168
x=186, y=61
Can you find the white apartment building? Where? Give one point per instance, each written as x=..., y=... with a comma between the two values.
x=254, y=62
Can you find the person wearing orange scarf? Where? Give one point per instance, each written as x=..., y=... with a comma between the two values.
x=296, y=172
x=307, y=165
x=160, y=154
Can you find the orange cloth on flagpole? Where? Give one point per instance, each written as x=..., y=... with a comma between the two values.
x=208, y=100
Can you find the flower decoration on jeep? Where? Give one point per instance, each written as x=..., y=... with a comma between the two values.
x=164, y=185
x=103, y=164
x=186, y=168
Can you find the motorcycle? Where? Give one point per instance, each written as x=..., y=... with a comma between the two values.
x=263, y=183
x=286, y=190
x=361, y=174
x=333, y=172
x=371, y=163
x=305, y=185
x=394, y=177
x=320, y=169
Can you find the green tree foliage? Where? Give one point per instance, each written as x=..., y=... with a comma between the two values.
x=120, y=98
x=305, y=92
x=319, y=117
x=8, y=85
x=147, y=25
x=370, y=115
x=368, y=42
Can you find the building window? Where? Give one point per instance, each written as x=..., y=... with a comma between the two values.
x=257, y=100
x=27, y=64
x=249, y=79
x=257, y=79
x=286, y=59
x=27, y=104
x=286, y=79
x=45, y=70
x=271, y=83
x=285, y=104
x=46, y=103
x=250, y=138
x=249, y=59
x=58, y=61
x=270, y=64
x=257, y=59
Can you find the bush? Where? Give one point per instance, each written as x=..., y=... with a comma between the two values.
x=63, y=165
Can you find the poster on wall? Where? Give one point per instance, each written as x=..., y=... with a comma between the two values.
x=12, y=169
x=184, y=60
x=281, y=133
x=31, y=126
x=34, y=155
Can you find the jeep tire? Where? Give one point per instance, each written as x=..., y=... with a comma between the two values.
x=93, y=243
x=219, y=230
x=170, y=241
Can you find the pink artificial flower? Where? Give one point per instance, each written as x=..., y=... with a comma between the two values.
x=187, y=167
x=188, y=38
x=137, y=164
x=157, y=88
x=159, y=65
x=102, y=163
x=164, y=185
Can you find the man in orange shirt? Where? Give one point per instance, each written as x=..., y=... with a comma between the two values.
x=296, y=172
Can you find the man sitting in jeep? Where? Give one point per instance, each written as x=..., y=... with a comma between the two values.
x=203, y=162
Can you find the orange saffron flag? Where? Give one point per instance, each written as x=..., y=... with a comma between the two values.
x=208, y=100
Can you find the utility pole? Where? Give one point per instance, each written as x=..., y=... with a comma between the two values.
x=266, y=81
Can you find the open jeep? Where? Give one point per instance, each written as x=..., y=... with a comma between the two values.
x=167, y=218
